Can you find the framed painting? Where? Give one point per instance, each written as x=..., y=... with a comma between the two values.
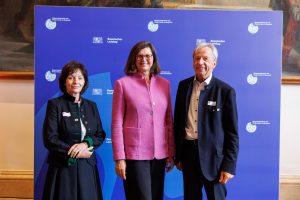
x=291, y=41
x=16, y=30
x=16, y=39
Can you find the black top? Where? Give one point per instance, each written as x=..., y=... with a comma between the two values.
x=62, y=127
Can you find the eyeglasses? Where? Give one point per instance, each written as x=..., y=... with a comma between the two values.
x=141, y=57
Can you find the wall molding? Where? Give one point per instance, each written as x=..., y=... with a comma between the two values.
x=20, y=183
x=289, y=179
x=16, y=184
x=16, y=174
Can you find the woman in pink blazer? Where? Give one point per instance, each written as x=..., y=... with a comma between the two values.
x=142, y=126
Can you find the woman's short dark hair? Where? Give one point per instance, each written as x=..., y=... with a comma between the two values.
x=131, y=68
x=70, y=68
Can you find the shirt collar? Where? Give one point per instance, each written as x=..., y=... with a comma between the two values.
x=206, y=82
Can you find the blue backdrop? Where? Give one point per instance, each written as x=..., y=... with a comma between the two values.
x=249, y=44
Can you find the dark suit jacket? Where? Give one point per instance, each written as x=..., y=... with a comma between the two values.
x=62, y=127
x=218, y=140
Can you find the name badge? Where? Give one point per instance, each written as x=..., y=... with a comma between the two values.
x=66, y=114
x=211, y=103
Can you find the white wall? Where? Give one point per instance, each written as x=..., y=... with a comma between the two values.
x=17, y=126
x=290, y=130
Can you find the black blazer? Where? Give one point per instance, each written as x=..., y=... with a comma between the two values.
x=218, y=140
x=62, y=127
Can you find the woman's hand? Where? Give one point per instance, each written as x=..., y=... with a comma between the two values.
x=77, y=148
x=85, y=153
x=169, y=164
x=121, y=169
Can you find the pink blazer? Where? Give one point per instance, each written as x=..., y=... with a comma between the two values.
x=142, y=125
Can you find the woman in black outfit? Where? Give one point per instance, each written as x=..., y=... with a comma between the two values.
x=72, y=131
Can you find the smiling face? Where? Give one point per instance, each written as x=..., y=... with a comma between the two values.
x=74, y=83
x=144, y=61
x=203, y=62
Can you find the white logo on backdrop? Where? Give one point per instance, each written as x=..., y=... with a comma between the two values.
x=97, y=91
x=216, y=42
x=152, y=26
x=108, y=91
x=252, y=28
x=50, y=76
x=251, y=79
x=50, y=24
x=198, y=41
x=251, y=128
x=165, y=72
x=97, y=40
x=110, y=40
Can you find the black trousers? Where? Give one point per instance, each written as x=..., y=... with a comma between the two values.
x=193, y=179
x=145, y=179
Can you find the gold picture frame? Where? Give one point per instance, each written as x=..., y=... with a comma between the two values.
x=291, y=41
x=17, y=75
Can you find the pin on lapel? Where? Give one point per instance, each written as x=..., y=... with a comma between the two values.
x=211, y=103
x=66, y=114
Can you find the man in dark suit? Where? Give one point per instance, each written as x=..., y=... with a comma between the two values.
x=206, y=129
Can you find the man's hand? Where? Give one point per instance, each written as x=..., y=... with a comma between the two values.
x=179, y=166
x=224, y=177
